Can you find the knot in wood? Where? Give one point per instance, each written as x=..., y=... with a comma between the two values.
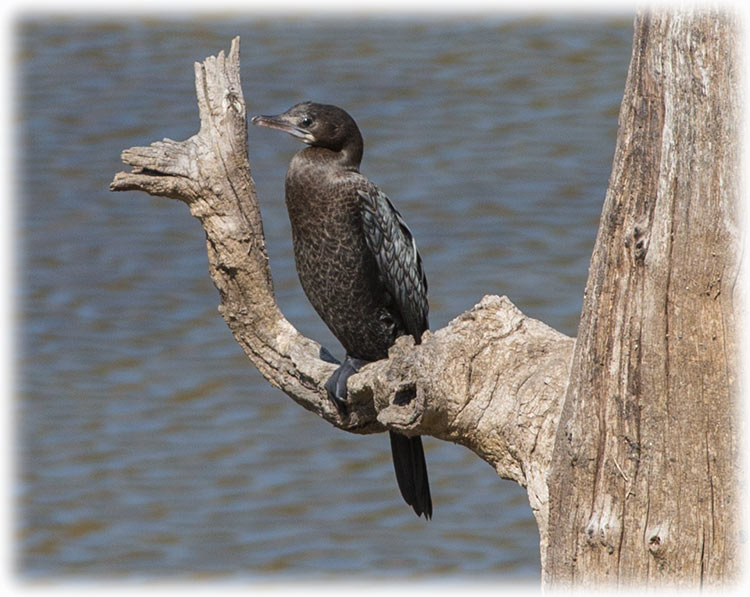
x=638, y=243
x=233, y=100
x=657, y=540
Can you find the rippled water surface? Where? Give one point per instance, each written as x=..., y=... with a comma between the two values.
x=147, y=445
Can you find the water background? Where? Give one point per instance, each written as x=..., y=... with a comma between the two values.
x=146, y=445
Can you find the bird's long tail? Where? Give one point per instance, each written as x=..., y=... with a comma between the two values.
x=411, y=472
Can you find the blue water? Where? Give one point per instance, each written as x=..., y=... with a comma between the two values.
x=147, y=445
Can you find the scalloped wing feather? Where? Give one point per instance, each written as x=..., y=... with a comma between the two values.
x=399, y=262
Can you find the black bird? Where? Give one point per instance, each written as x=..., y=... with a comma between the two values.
x=357, y=261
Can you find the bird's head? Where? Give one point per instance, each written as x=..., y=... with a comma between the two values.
x=318, y=125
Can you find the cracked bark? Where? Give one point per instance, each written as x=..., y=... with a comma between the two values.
x=581, y=426
x=642, y=482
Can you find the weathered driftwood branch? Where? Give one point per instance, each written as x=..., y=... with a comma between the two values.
x=492, y=380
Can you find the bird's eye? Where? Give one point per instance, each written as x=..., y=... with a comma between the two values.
x=306, y=121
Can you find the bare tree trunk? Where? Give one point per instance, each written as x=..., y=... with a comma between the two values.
x=657, y=332
x=642, y=485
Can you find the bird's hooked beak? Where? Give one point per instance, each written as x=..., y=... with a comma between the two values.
x=282, y=122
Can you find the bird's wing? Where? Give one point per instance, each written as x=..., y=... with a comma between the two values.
x=392, y=244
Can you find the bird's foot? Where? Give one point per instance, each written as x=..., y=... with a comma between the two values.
x=336, y=384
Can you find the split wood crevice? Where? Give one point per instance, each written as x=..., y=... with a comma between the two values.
x=492, y=380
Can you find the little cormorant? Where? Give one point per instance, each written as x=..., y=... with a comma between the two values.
x=356, y=260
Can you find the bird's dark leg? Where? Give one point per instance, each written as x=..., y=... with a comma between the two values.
x=336, y=384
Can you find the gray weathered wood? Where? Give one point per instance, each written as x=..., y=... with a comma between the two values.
x=643, y=484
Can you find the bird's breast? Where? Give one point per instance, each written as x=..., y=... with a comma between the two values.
x=336, y=269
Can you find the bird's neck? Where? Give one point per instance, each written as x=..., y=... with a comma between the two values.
x=348, y=157
x=351, y=153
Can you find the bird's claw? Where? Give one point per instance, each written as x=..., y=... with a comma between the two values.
x=336, y=384
x=333, y=389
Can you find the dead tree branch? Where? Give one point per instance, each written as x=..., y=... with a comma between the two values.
x=492, y=380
